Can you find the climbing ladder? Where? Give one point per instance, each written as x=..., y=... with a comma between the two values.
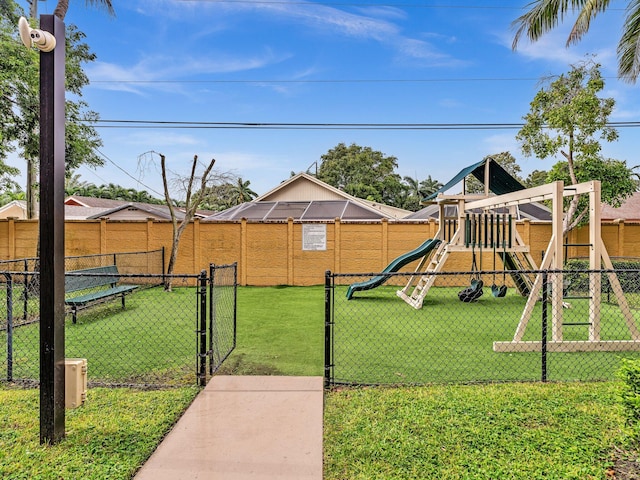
x=425, y=278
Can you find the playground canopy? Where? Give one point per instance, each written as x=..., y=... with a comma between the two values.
x=500, y=181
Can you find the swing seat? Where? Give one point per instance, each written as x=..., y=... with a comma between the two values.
x=498, y=291
x=472, y=293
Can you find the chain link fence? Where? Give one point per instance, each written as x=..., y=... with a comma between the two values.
x=148, y=262
x=129, y=328
x=518, y=326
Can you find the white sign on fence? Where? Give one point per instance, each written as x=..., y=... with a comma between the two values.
x=314, y=237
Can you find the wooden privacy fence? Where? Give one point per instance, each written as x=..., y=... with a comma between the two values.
x=290, y=252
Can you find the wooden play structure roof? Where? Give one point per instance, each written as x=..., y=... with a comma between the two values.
x=500, y=181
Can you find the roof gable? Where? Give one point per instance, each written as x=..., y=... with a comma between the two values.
x=303, y=187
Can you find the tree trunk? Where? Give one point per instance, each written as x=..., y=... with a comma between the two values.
x=61, y=9
x=172, y=263
x=30, y=194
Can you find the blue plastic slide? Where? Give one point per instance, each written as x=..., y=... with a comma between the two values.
x=394, y=266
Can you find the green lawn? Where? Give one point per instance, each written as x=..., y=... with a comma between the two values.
x=505, y=431
x=151, y=341
x=499, y=431
x=379, y=339
x=280, y=331
x=109, y=437
x=493, y=431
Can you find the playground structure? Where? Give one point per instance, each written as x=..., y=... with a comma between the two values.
x=494, y=229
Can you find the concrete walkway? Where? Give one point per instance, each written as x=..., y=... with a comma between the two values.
x=245, y=428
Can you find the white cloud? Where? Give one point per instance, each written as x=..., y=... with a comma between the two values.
x=501, y=142
x=370, y=24
x=157, y=68
x=450, y=103
x=425, y=54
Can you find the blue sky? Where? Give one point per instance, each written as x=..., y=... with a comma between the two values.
x=354, y=61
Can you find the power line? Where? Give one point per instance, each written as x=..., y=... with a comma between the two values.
x=328, y=81
x=137, y=180
x=367, y=4
x=164, y=124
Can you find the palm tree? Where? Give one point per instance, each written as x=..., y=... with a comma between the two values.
x=241, y=192
x=72, y=184
x=429, y=185
x=545, y=15
x=413, y=185
x=63, y=5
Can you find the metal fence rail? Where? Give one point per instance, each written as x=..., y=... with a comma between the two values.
x=152, y=337
x=575, y=326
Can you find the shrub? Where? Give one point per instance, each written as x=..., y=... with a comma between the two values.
x=630, y=395
x=579, y=282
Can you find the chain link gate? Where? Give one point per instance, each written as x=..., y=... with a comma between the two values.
x=216, y=318
x=148, y=342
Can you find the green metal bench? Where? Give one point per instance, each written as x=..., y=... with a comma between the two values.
x=96, y=285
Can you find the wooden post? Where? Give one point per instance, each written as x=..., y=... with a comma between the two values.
x=337, y=248
x=103, y=236
x=196, y=244
x=243, y=251
x=595, y=258
x=557, y=261
x=620, y=223
x=290, y=251
x=385, y=243
x=11, y=226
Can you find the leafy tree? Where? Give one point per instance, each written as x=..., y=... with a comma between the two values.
x=19, y=111
x=568, y=118
x=536, y=178
x=362, y=172
x=617, y=182
x=10, y=191
x=217, y=197
x=506, y=161
x=544, y=15
x=75, y=186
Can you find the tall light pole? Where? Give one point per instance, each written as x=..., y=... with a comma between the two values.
x=52, y=120
x=50, y=40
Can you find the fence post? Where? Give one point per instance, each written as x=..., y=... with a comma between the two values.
x=162, y=269
x=235, y=303
x=9, y=328
x=202, y=329
x=328, y=357
x=545, y=301
x=26, y=290
x=212, y=315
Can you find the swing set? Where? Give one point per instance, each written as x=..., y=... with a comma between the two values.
x=488, y=231
x=554, y=260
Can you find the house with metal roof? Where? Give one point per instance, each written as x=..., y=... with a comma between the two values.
x=304, y=197
x=90, y=208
